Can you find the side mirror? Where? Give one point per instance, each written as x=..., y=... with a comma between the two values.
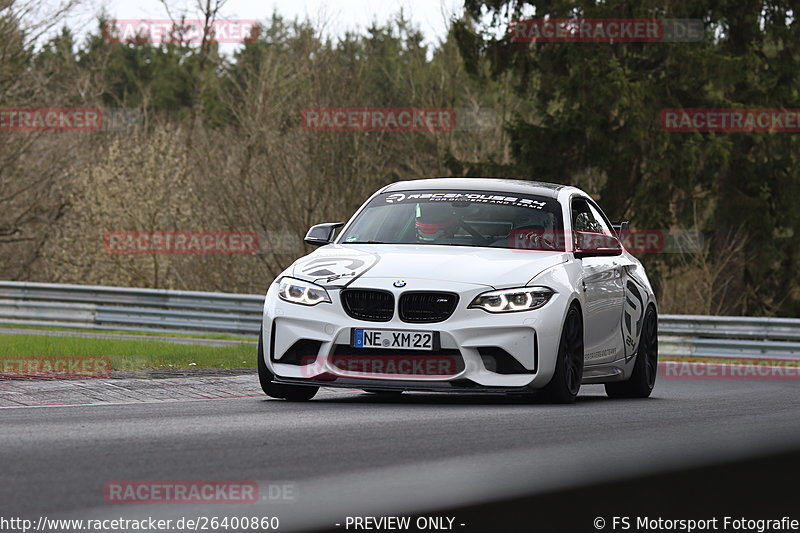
x=588, y=244
x=322, y=234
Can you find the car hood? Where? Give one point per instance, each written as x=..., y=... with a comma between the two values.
x=339, y=265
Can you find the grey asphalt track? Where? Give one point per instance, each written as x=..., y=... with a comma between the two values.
x=347, y=453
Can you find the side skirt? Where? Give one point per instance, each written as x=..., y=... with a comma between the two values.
x=617, y=370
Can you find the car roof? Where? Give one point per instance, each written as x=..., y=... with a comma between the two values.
x=539, y=188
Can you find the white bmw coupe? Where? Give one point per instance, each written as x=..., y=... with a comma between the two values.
x=463, y=285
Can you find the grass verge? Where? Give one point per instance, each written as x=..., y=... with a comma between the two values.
x=148, y=354
x=131, y=354
x=216, y=336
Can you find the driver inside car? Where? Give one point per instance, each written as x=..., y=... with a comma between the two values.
x=436, y=221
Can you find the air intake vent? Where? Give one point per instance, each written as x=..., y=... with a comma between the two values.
x=499, y=361
x=302, y=352
x=418, y=307
x=368, y=304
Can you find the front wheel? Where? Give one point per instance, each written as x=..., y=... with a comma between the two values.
x=291, y=393
x=645, y=369
x=566, y=381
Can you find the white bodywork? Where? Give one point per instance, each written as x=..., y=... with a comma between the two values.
x=612, y=292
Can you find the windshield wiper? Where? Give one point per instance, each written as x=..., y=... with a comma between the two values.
x=365, y=242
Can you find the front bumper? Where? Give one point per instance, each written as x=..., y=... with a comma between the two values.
x=474, y=336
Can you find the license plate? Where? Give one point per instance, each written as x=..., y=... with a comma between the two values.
x=389, y=338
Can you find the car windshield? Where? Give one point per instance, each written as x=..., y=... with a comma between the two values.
x=470, y=218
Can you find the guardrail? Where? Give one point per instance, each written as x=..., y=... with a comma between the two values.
x=166, y=311
x=729, y=336
x=128, y=309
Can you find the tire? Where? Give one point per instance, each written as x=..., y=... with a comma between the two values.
x=645, y=369
x=292, y=393
x=566, y=381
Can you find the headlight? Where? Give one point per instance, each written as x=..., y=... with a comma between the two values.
x=510, y=300
x=302, y=292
